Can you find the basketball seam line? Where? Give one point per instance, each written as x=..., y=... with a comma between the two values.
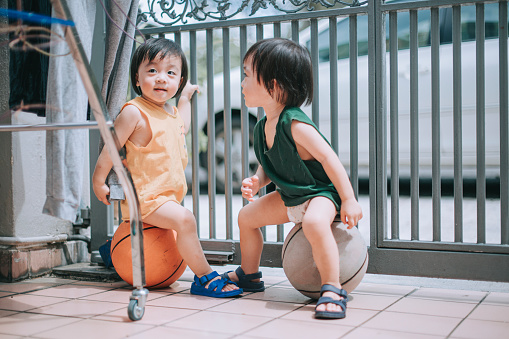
x=287, y=242
x=118, y=242
x=181, y=262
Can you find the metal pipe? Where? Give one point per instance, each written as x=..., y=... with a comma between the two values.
x=457, y=117
x=414, y=126
x=394, y=122
x=480, y=124
x=435, y=123
x=211, y=132
x=354, y=107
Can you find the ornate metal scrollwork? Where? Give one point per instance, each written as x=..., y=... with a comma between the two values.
x=169, y=12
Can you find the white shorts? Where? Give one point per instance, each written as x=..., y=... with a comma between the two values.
x=296, y=213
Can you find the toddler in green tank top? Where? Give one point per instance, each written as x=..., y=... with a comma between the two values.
x=312, y=184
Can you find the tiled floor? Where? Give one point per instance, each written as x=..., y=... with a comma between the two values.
x=380, y=307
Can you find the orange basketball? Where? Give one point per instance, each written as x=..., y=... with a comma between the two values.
x=163, y=263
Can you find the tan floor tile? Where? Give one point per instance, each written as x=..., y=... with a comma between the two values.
x=79, y=308
x=363, y=333
x=220, y=322
x=285, y=283
x=479, y=329
x=23, y=287
x=50, y=280
x=413, y=323
x=90, y=328
x=497, y=298
x=4, y=294
x=26, y=324
x=280, y=294
x=449, y=294
x=273, y=280
x=172, y=332
x=432, y=307
x=153, y=315
x=121, y=296
x=383, y=289
x=8, y=336
x=491, y=313
x=271, y=309
x=4, y=313
x=283, y=328
x=69, y=291
x=371, y=301
x=354, y=317
x=25, y=302
x=177, y=286
x=117, y=284
x=186, y=300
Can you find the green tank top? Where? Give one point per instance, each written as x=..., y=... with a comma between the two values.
x=296, y=180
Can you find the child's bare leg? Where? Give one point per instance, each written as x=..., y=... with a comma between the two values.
x=268, y=210
x=173, y=216
x=316, y=225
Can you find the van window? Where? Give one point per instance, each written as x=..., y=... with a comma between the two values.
x=343, y=28
x=423, y=29
x=468, y=22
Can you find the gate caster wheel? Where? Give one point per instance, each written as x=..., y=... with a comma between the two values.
x=134, y=311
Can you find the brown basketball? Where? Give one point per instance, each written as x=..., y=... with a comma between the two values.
x=300, y=268
x=163, y=263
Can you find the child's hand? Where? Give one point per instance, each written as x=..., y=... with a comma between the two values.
x=188, y=91
x=250, y=186
x=102, y=191
x=350, y=213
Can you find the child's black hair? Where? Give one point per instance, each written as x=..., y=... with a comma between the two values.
x=149, y=51
x=289, y=64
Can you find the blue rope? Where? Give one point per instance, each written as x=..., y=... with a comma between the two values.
x=33, y=17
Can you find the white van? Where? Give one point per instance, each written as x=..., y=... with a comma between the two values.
x=468, y=58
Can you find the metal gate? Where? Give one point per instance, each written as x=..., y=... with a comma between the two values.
x=412, y=103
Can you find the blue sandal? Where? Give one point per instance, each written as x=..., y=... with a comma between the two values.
x=215, y=287
x=326, y=300
x=245, y=280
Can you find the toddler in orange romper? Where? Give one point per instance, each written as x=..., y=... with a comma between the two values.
x=153, y=133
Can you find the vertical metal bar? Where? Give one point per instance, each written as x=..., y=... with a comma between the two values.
x=243, y=111
x=193, y=66
x=458, y=154
x=211, y=132
x=178, y=38
x=315, y=105
x=480, y=124
x=414, y=126
x=504, y=124
x=260, y=114
x=277, y=29
x=394, y=121
x=377, y=122
x=333, y=61
x=295, y=31
x=354, y=109
x=280, y=232
x=259, y=36
x=435, y=123
x=228, y=132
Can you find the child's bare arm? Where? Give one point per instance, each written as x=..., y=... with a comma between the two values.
x=125, y=125
x=312, y=146
x=184, y=104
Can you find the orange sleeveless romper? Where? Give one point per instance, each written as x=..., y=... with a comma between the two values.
x=158, y=168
